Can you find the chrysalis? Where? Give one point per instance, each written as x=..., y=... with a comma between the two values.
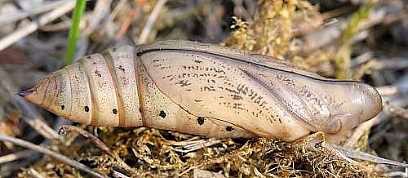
x=203, y=89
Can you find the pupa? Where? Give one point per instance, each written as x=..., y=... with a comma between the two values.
x=203, y=89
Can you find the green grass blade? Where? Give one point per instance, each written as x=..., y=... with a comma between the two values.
x=74, y=31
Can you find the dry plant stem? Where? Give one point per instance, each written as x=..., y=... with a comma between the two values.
x=396, y=111
x=397, y=174
x=87, y=135
x=16, y=156
x=98, y=143
x=50, y=153
x=185, y=142
x=15, y=16
x=121, y=4
x=362, y=59
x=33, y=26
x=118, y=174
x=35, y=173
x=360, y=131
x=329, y=34
x=35, y=120
x=102, y=10
x=342, y=58
x=150, y=21
x=365, y=156
x=388, y=90
x=126, y=23
x=197, y=145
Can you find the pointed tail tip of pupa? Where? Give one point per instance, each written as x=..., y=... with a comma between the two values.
x=25, y=91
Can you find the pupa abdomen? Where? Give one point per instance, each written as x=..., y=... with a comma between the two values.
x=203, y=89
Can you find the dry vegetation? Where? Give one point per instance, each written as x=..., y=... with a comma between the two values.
x=363, y=40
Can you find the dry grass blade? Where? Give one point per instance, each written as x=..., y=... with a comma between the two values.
x=50, y=153
x=365, y=156
x=396, y=111
x=100, y=12
x=398, y=174
x=196, y=145
x=150, y=21
x=33, y=26
x=118, y=174
x=35, y=173
x=16, y=156
x=10, y=18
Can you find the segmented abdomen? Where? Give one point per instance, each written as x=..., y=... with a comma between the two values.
x=114, y=89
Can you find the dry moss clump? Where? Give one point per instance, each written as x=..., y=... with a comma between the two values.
x=152, y=153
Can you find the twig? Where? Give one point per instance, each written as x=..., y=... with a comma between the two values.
x=35, y=120
x=388, y=90
x=397, y=174
x=98, y=143
x=365, y=156
x=117, y=174
x=394, y=63
x=33, y=26
x=101, y=11
x=16, y=156
x=50, y=153
x=150, y=21
x=10, y=18
x=396, y=111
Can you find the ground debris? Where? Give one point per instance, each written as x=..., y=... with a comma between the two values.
x=302, y=33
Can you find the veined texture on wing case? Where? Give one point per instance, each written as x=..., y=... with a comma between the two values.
x=203, y=89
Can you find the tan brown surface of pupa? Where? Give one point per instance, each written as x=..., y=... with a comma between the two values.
x=203, y=89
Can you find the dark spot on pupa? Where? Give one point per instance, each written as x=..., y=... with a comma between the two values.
x=121, y=68
x=200, y=120
x=62, y=107
x=229, y=128
x=114, y=111
x=113, y=49
x=198, y=61
x=162, y=114
x=86, y=109
x=98, y=73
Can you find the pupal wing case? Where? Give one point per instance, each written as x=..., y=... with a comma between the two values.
x=203, y=89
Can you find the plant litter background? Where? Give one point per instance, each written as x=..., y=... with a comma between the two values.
x=349, y=39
